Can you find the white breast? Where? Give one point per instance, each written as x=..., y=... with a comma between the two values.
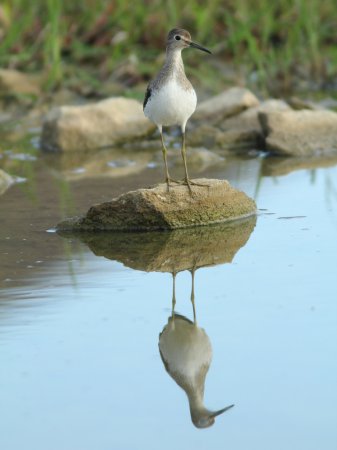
x=171, y=105
x=186, y=349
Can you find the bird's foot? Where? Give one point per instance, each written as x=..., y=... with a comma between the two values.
x=193, y=183
x=185, y=182
x=172, y=180
x=169, y=182
x=190, y=183
x=180, y=182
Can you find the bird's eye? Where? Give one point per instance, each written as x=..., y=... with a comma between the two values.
x=177, y=38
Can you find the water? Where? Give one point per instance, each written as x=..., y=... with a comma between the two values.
x=81, y=318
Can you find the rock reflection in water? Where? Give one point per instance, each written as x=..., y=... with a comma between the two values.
x=184, y=347
x=279, y=165
x=170, y=251
x=186, y=352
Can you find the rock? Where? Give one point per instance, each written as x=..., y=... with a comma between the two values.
x=204, y=135
x=63, y=96
x=173, y=251
x=198, y=157
x=298, y=103
x=5, y=181
x=13, y=82
x=300, y=133
x=156, y=208
x=213, y=137
x=226, y=104
x=93, y=126
x=249, y=119
x=239, y=132
x=142, y=144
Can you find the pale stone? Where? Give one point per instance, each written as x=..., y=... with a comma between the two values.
x=300, y=133
x=239, y=132
x=94, y=126
x=228, y=103
x=231, y=139
x=198, y=157
x=13, y=82
x=249, y=119
x=299, y=104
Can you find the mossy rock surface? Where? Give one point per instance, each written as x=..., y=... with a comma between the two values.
x=156, y=208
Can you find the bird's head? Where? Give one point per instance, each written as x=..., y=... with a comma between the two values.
x=178, y=39
x=206, y=418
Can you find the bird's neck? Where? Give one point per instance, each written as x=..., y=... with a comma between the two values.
x=174, y=62
x=196, y=398
x=196, y=402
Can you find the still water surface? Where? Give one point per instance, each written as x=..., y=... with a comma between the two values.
x=91, y=357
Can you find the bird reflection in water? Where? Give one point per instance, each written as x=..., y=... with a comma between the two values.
x=184, y=347
x=186, y=352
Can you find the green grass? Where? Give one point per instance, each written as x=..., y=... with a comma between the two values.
x=52, y=49
x=275, y=41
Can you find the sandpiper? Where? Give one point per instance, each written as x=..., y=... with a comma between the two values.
x=170, y=98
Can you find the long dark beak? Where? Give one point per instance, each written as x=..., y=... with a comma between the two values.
x=195, y=45
x=217, y=413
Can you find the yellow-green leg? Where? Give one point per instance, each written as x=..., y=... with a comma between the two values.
x=193, y=296
x=187, y=180
x=173, y=293
x=183, y=154
x=164, y=150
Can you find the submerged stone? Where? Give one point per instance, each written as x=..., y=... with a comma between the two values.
x=156, y=208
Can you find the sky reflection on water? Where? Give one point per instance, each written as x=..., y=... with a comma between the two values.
x=81, y=367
